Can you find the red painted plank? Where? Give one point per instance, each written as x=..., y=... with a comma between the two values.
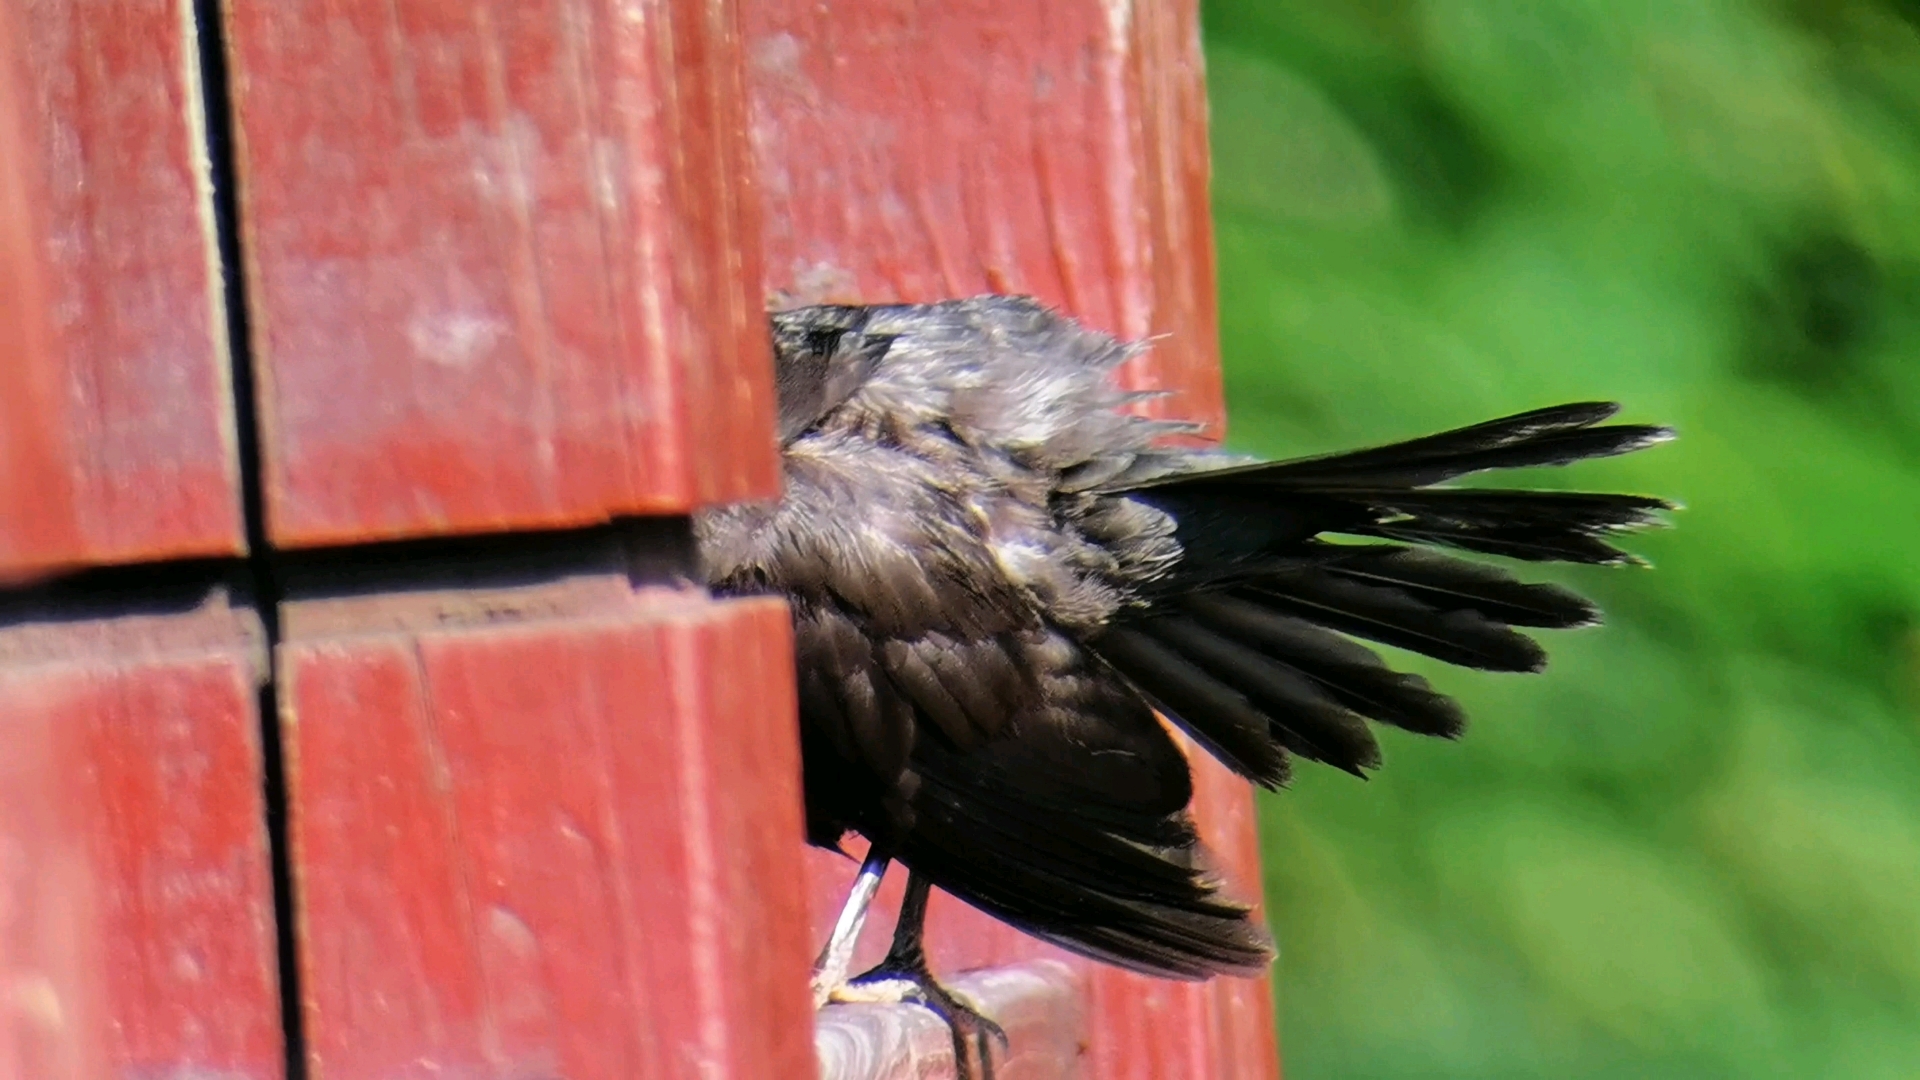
x=498, y=273
x=50, y=957
x=911, y=151
x=116, y=406
x=136, y=908
x=550, y=845
x=31, y=440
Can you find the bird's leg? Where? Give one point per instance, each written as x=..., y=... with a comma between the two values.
x=903, y=976
x=830, y=971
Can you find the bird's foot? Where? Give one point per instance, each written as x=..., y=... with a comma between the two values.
x=830, y=971
x=897, y=980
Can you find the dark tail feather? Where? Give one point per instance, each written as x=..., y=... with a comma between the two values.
x=1249, y=709
x=1537, y=526
x=1246, y=641
x=1258, y=673
x=1303, y=718
x=1443, y=582
x=1349, y=672
x=1265, y=667
x=1213, y=712
x=1244, y=514
x=1559, y=435
x=1392, y=616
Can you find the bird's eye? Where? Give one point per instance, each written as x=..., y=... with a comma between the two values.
x=823, y=339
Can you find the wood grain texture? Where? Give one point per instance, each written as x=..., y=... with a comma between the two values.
x=548, y=846
x=116, y=420
x=908, y=150
x=136, y=907
x=500, y=275
x=36, y=492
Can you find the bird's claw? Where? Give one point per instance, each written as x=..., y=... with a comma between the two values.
x=893, y=981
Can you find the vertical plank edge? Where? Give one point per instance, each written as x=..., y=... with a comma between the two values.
x=133, y=848
x=37, y=528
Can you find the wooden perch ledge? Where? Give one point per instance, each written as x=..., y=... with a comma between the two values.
x=1040, y=1004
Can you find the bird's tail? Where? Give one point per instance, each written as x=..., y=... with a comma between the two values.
x=1247, y=641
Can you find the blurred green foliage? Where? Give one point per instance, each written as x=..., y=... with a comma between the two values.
x=1693, y=847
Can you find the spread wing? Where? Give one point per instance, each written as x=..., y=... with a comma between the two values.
x=1030, y=782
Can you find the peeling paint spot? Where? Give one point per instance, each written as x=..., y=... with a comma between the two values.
x=454, y=339
x=606, y=174
x=187, y=967
x=512, y=932
x=777, y=55
x=820, y=283
x=35, y=998
x=1119, y=22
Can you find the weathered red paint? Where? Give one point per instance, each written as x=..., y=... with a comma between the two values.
x=50, y=955
x=552, y=845
x=31, y=440
x=117, y=416
x=913, y=151
x=501, y=274
x=136, y=910
x=136, y=907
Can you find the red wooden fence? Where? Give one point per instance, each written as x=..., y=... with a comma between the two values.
x=534, y=799
x=136, y=916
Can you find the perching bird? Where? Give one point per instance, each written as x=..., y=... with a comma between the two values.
x=997, y=576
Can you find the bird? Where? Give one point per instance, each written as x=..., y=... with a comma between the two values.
x=1002, y=575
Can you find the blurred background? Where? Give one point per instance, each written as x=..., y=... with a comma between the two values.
x=1693, y=847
